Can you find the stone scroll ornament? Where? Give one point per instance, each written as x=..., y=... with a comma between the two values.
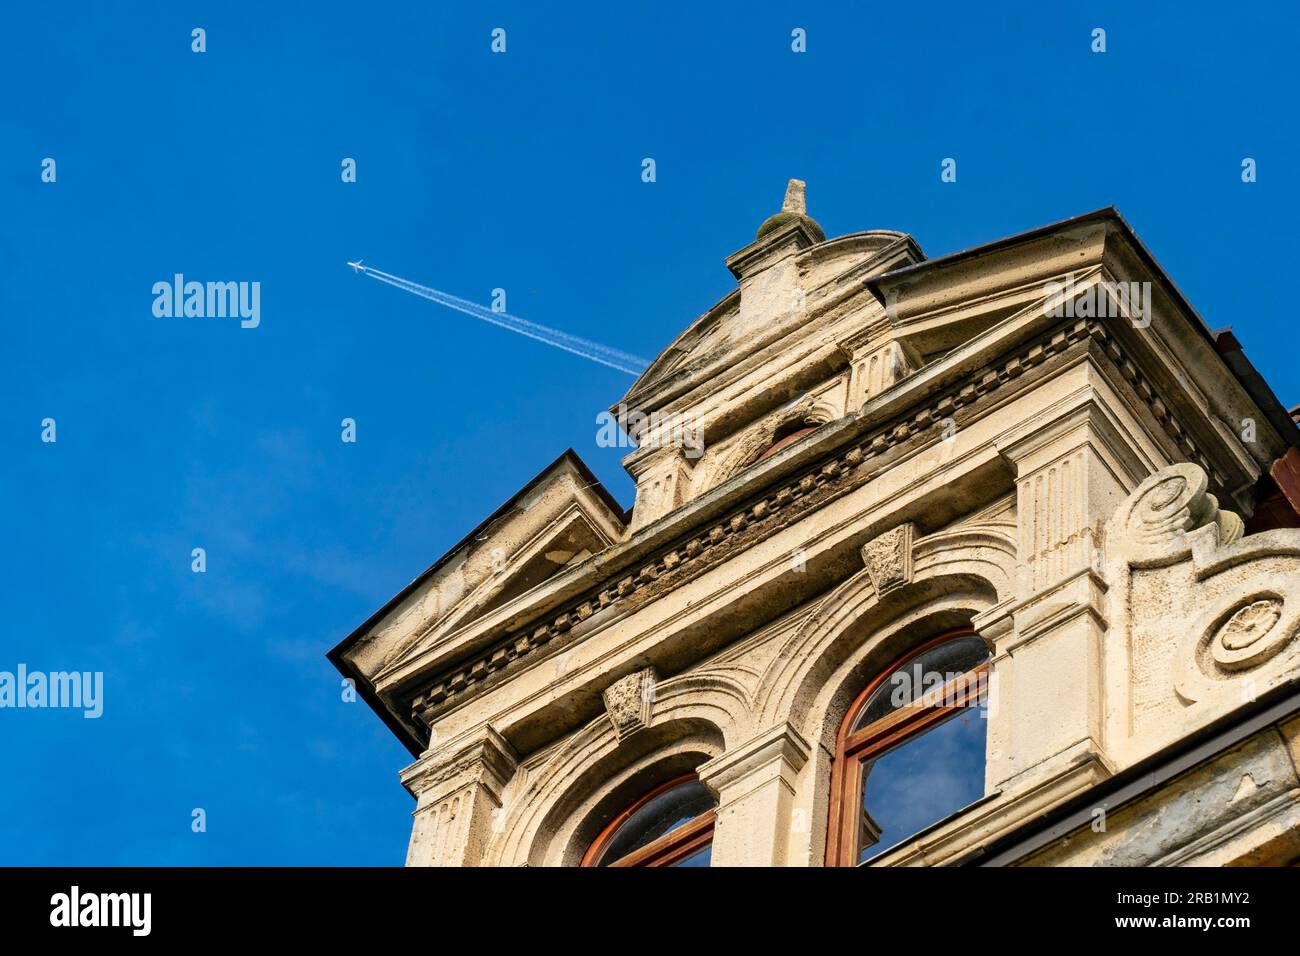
x=1168, y=505
x=1242, y=616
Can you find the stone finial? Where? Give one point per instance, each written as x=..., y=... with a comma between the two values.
x=796, y=197
x=794, y=209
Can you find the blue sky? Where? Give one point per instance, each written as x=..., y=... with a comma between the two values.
x=476, y=171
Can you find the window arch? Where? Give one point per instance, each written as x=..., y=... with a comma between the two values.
x=672, y=825
x=787, y=436
x=911, y=749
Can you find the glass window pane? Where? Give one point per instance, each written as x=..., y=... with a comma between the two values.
x=700, y=857
x=923, y=781
x=935, y=667
x=661, y=814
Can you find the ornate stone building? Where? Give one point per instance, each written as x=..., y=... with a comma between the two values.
x=981, y=560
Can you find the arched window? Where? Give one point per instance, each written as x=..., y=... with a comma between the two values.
x=911, y=749
x=672, y=825
x=787, y=436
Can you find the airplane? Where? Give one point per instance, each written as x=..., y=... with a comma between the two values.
x=357, y=266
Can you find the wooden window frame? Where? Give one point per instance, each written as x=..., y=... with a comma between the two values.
x=854, y=748
x=672, y=847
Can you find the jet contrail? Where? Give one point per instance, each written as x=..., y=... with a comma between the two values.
x=613, y=358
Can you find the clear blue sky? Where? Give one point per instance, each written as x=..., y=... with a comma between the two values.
x=475, y=171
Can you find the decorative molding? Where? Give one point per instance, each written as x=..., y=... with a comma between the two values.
x=888, y=559
x=772, y=511
x=480, y=755
x=780, y=751
x=630, y=700
x=1166, y=507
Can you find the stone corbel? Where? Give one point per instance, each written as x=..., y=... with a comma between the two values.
x=888, y=559
x=629, y=702
x=458, y=789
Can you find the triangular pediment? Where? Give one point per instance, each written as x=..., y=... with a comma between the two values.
x=559, y=519
x=942, y=304
x=571, y=537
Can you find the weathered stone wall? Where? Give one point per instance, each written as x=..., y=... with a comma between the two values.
x=1240, y=808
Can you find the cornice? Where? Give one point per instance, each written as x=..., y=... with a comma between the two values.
x=782, y=503
x=1146, y=392
x=763, y=515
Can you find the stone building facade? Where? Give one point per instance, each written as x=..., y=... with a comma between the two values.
x=1031, y=460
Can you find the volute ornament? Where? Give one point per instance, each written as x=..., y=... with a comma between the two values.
x=1171, y=503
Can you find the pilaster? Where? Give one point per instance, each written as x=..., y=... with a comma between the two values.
x=458, y=794
x=755, y=788
x=663, y=480
x=1071, y=474
x=876, y=364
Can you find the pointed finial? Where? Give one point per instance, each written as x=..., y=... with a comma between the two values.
x=795, y=197
x=793, y=209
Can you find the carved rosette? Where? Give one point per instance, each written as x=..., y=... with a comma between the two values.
x=1251, y=642
x=1250, y=635
x=630, y=700
x=888, y=559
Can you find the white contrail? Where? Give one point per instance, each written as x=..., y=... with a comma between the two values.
x=603, y=354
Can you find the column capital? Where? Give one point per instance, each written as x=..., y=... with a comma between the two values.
x=479, y=755
x=457, y=787
x=778, y=752
x=755, y=787
x=996, y=623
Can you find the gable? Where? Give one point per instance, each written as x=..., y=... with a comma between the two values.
x=559, y=519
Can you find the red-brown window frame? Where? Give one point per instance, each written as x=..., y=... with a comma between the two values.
x=670, y=848
x=854, y=748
